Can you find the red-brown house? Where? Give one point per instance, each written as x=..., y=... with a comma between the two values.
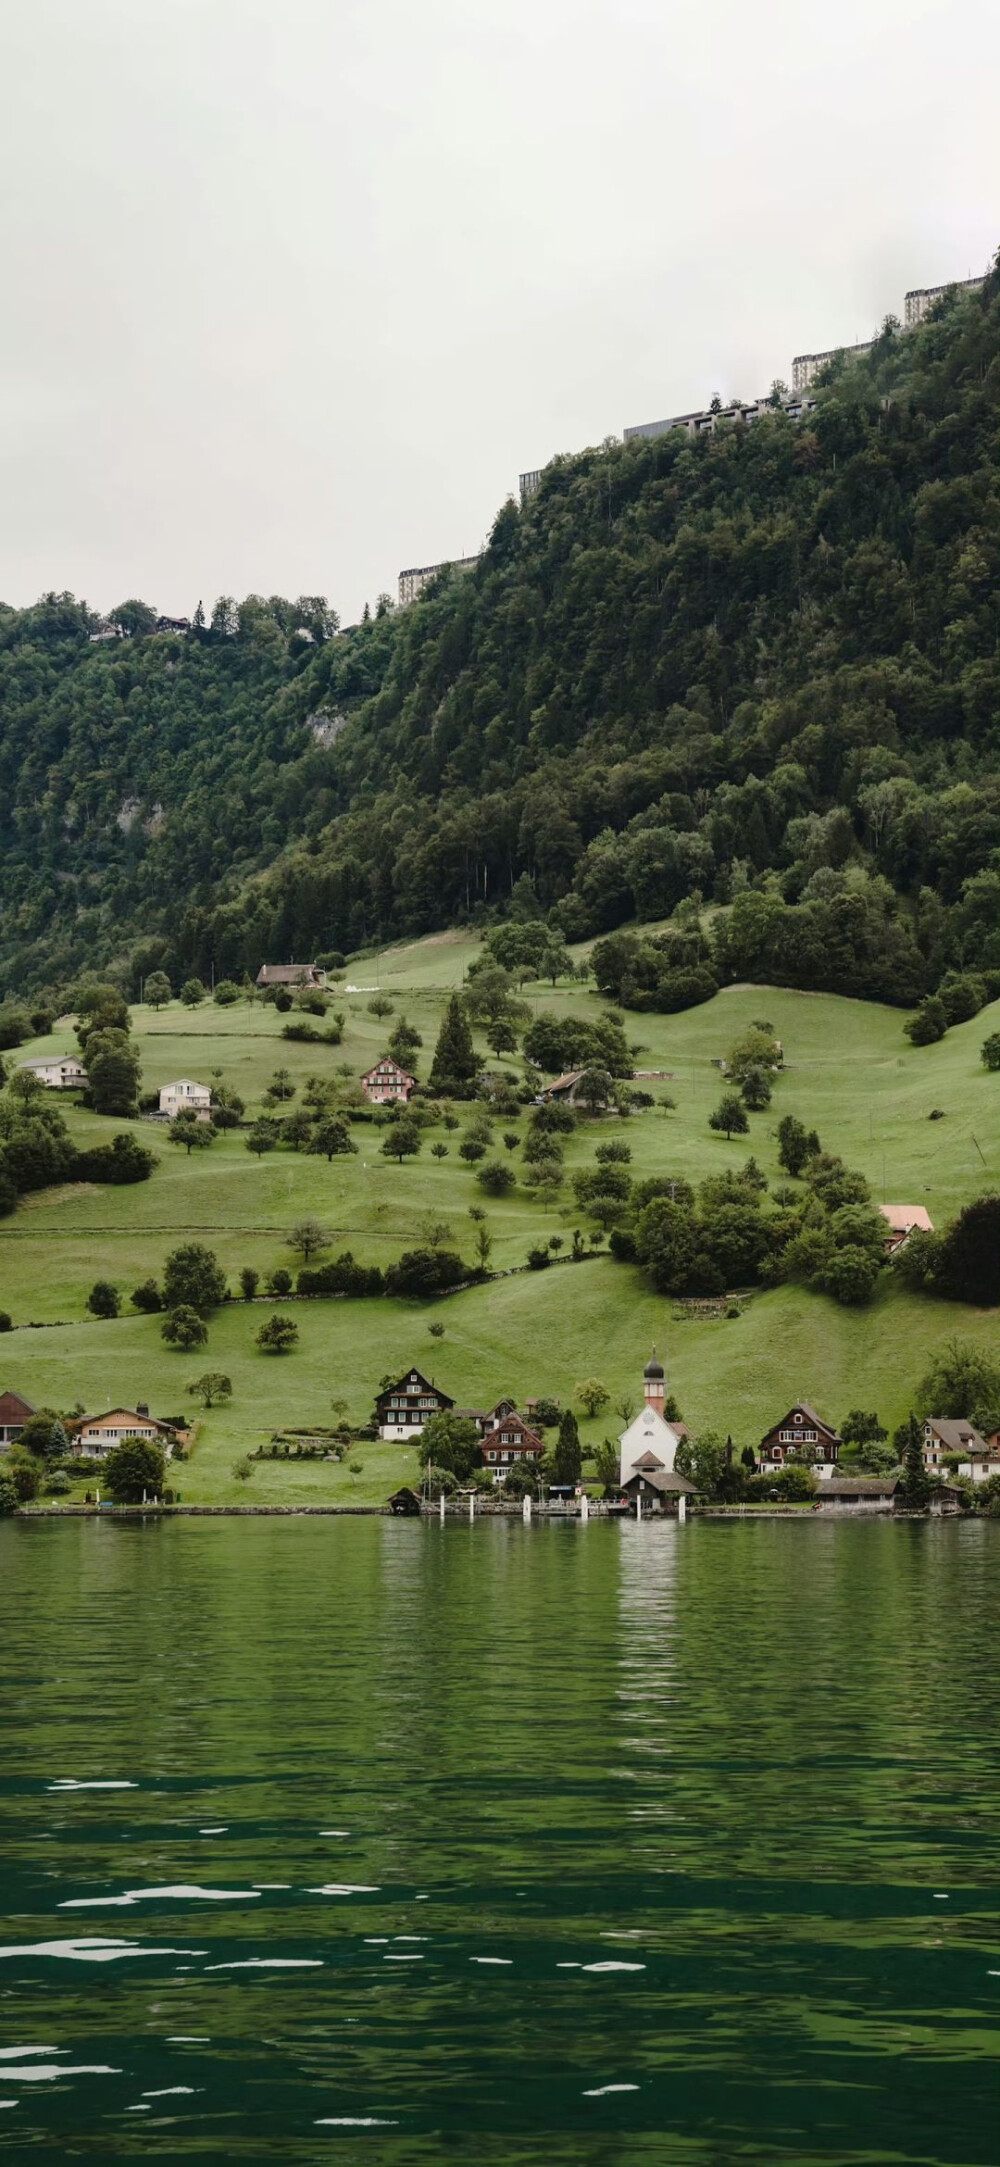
x=14, y=1413
x=508, y=1442
x=802, y=1429
x=387, y=1084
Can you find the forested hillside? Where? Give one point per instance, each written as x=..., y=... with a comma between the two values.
x=764, y=663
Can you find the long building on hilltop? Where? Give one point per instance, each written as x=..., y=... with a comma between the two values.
x=419, y=576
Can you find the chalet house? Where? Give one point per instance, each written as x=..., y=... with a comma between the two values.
x=508, y=1441
x=656, y=1489
x=650, y=1442
x=59, y=1072
x=403, y=1408
x=386, y=1084
x=943, y=1438
x=565, y=1088
x=290, y=974
x=858, y=1493
x=99, y=1434
x=801, y=1431
x=14, y=1413
x=185, y=1097
x=901, y=1221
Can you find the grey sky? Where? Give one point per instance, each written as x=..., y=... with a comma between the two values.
x=292, y=289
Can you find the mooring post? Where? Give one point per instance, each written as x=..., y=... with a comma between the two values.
x=441, y=1503
x=682, y=1508
x=638, y=1508
x=585, y=1507
x=472, y=1504
x=526, y=1509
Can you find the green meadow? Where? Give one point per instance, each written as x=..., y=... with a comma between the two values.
x=850, y=1073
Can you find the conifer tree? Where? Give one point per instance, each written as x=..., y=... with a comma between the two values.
x=909, y=1442
x=455, y=1066
x=568, y=1456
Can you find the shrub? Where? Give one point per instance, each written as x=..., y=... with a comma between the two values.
x=225, y=993
x=990, y=1051
x=277, y=1335
x=421, y=1273
x=6, y=1321
x=122, y=1161
x=342, y=1276
x=103, y=1299
x=26, y=1480
x=496, y=1179
x=184, y=1329
x=538, y=1260
x=928, y=1024
x=8, y=1496
x=249, y=1282
x=280, y=1283
x=146, y=1297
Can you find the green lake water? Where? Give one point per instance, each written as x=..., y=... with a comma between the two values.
x=558, y=1846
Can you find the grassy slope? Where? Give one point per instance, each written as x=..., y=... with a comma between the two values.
x=851, y=1073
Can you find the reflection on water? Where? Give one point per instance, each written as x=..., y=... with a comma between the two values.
x=590, y=1845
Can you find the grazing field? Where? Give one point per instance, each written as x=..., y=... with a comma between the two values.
x=850, y=1073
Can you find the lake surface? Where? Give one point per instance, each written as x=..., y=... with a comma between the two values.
x=588, y=1845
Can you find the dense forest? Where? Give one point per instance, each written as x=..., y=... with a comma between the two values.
x=758, y=667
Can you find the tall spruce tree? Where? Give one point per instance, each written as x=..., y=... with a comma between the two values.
x=568, y=1456
x=455, y=1066
x=909, y=1441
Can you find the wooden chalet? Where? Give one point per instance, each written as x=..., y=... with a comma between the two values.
x=14, y=1413
x=801, y=1431
x=944, y=1438
x=387, y=1084
x=404, y=1407
x=507, y=1442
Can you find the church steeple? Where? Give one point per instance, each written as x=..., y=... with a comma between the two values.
x=654, y=1384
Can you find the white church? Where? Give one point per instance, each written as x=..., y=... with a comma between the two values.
x=648, y=1449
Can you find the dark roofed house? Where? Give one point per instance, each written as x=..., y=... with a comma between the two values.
x=802, y=1433
x=565, y=1087
x=404, y=1503
x=14, y=1413
x=404, y=1407
x=290, y=974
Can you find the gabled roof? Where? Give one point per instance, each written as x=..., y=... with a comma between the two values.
x=285, y=974
x=859, y=1486
x=128, y=1414
x=902, y=1218
x=810, y=1416
x=566, y=1082
x=646, y=1461
x=664, y=1479
x=955, y=1435
x=386, y=1061
x=187, y=1083
x=13, y=1408
x=413, y=1380
x=520, y=1429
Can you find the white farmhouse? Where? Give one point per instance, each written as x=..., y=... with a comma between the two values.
x=58, y=1072
x=185, y=1097
x=650, y=1442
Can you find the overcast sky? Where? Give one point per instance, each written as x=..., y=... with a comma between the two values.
x=292, y=290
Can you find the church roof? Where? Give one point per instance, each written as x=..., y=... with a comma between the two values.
x=646, y=1460
x=653, y=1368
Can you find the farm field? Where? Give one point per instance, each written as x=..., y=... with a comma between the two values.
x=850, y=1073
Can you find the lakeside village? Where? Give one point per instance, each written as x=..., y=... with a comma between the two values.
x=498, y=1459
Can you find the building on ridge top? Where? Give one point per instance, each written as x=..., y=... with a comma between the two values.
x=920, y=300
x=418, y=576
